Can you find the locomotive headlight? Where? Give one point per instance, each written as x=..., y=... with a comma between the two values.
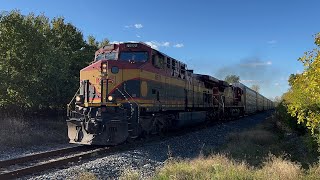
x=104, y=69
x=78, y=98
x=110, y=98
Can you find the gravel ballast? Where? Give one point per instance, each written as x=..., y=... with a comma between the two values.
x=148, y=158
x=19, y=152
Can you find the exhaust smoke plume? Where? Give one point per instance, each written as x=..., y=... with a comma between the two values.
x=251, y=71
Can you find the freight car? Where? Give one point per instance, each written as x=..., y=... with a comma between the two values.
x=131, y=89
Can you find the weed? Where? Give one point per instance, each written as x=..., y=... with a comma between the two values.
x=130, y=175
x=86, y=176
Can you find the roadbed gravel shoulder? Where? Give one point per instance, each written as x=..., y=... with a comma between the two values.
x=152, y=156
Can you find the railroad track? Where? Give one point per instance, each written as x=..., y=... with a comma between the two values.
x=35, y=163
x=31, y=164
x=26, y=165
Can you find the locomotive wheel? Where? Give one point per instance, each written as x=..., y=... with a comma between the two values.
x=151, y=125
x=155, y=126
x=146, y=124
x=160, y=124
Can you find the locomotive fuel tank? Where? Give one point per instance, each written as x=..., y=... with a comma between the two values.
x=189, y=118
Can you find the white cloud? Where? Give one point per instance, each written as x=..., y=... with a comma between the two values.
x=276, y=84
x=116, y=42
x=138, y=36
x=272, y=41
x=138, y=26
x=166, y=44
x=157, y=45
x=152, y=44
x=179, y=45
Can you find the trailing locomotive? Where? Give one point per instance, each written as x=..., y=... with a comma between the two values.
x=131, y=89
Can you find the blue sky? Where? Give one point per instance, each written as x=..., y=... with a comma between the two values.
x=258, y=40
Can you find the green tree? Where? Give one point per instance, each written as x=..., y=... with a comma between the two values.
x=103, y=43
x=23, y=52
x=92, y=41
x=277, y=100
x=303, y=98
x=40, y=61
x=232, y=79
x=255, y=87
x=292, y=77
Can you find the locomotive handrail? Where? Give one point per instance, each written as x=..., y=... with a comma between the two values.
x=221, y=104
x=72, y=100
x=131, y=98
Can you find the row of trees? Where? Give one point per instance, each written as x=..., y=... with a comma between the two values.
x=303, y=98
x=40, y=61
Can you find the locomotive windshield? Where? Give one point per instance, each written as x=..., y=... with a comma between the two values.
x=108, y=56
x=135, y=56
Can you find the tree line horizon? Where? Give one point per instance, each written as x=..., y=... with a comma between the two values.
x=40, y=60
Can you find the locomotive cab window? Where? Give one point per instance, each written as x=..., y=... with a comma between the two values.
x=134, y=56
x=173, y=64
x=168, y=62
x=158, y=61
x=183, y=71
x=107, y=56
x=161, y=61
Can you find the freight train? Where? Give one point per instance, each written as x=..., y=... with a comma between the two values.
x=132, y=90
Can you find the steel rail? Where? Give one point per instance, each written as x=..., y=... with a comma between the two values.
x=44, y=164
x=37, y=156
x=62, y=161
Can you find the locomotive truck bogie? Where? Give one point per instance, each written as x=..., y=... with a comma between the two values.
x=109, y=128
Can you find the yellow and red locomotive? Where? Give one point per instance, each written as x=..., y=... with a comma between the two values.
x=131, y=89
